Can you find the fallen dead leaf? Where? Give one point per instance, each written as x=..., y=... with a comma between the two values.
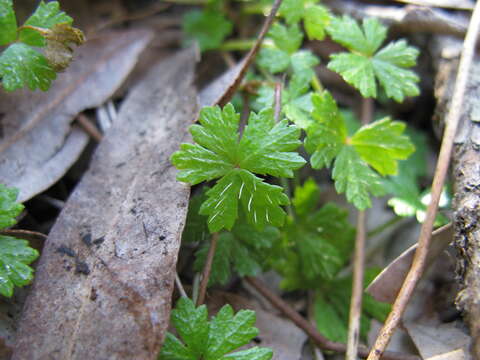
x=37, y=142
x=105, y=277
x=439, y=342
x=387, y=284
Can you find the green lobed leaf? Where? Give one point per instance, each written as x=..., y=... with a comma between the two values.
x=196, y=229
x=292, y=10
x=364, y=40
x=221, y=265
x=241, y=251
x=211, y=340
x=9, y=208
x=389, y=64
x=316, y=244
x=261, y=201
x=331, y=222
x=354, y=178
x=318, y=257
x=306, y=197
x=15, y=256
x=329, y=323
x=327, y=134
x=273, y=60
x=8, y=23
x=364, y=64
x=288, y=39
x=192, y=325
x=21, y=66
x=357, y=70
x=303, y=62
x=331, y=307
x=316, y=19
x=209, y=28
x=45, y=16
x=173, y=349
x=382, y=143
x=254, y=353
x=229, y=332
x=265, y=148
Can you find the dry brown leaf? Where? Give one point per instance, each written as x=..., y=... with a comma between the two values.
x=438, y=341
x=387, y=284
x=105, y=277
x=37, y=142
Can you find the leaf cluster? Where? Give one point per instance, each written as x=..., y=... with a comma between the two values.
x=15, y=254
x=214, y=339
x=20, y=63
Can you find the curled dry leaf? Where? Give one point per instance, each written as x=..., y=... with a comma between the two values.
x=37, y=142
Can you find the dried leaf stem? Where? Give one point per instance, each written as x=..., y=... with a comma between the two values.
x=452, y=121
x=321, y=341
x=358, y=262
x=207, y=269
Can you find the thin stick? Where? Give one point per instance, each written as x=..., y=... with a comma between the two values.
x=179, y=285
x=207, y=269
x=452, y=121
x=89, y=127
x=357, y=289
x=358, y=263
x=321, y=341
x=247, y=61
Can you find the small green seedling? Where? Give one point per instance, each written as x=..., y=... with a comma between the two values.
x=214, y=339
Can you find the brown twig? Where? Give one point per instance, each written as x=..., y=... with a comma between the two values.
x=321, y=341
x=207, y=269
x=452, y=121
x=358, y=262
x=357, y=289
x=89, y=127
x=247, y=61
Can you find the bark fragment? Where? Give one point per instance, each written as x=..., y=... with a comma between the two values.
x=466, y=178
